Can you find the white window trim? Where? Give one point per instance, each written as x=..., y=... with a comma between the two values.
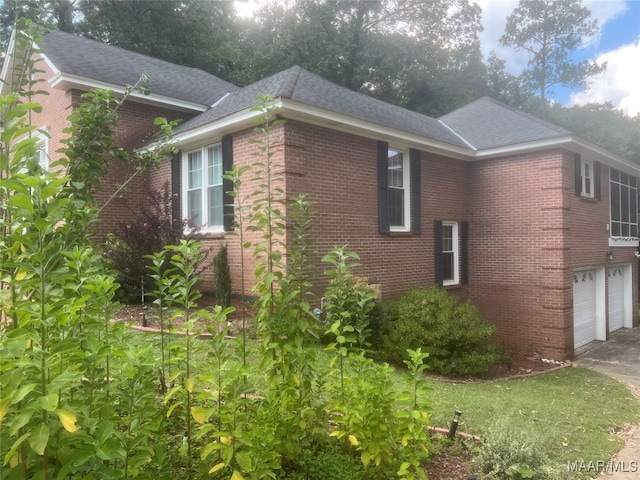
x=456, y=254
x=204, y=228
x=620, y=241
x=41, y=137
x=406, y=179
x=587, y=181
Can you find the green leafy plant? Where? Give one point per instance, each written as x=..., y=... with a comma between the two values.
x=454, y=335
x=507, y=454
x=185, y=259
x=349, y=304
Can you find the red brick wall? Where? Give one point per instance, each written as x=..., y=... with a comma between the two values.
x=528, y=231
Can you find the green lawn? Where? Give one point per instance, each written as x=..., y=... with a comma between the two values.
x=573, y=411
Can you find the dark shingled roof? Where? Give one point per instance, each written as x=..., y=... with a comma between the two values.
x=487, y=123
x=105, y=63
x=302, y=86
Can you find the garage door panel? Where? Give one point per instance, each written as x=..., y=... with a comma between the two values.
x=584, y=307
x=616, y=298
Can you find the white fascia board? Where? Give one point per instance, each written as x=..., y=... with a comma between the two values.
x=569, y=142
x=214, y=130
x=65, y=81
x=8, y=61
x=344, y=123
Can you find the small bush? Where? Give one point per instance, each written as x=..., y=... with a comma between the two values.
x=222, y=277
x=150, y=230
x=514, y=454
x=455, y=335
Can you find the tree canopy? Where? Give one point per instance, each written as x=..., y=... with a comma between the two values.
x=420, y=54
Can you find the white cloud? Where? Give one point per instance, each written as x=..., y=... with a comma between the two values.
x=619, y=83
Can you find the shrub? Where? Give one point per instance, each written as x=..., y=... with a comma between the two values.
x=508, y=454
x=222, y=277
x=455, y=335
x=151, y=229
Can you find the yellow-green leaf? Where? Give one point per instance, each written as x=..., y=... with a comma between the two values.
x=365, y=457
x=353, y=440
x=217, y=467
x=237, y=475
x=199, y=414
x=21, y=275
x=68, y=420
x=4, y=408
x=188, y=385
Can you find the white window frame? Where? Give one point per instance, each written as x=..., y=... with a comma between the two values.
x=619, y=240
x=205, y=183
x=42, y=149
x=406, y=187
x=455, y=251
x=586, y=174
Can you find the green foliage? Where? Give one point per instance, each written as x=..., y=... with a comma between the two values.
x=349, y=304
x=507, y=454
x=454, y=335
x=603, y=125
x=222, y=277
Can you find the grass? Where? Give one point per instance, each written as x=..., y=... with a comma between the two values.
x=576, y=411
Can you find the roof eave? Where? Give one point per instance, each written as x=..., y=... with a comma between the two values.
x=569, y=142
x=320, y=117
x=65, y=81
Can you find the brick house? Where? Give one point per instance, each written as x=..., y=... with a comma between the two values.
x=533, y=224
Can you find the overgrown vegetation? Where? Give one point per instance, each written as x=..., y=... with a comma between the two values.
x=82, y=397
x=454, y=335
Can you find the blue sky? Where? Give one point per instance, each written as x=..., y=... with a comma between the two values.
x=618, y=43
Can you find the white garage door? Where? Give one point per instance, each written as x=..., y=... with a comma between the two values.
x=616, y=298
x=584, y=307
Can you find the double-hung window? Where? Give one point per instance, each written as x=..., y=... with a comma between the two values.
x=398, y=182
x=450, y=253
x=587, y=179
x=203, y=187
x=624, y=204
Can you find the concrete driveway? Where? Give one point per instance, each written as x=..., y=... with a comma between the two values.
x=619, y=358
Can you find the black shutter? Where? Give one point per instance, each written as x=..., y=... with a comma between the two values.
x=227, y=185
x=578, y=164
x=464, y=253
x=176, y=186
x=383, y=187
x=438, y=264
x=414, y=172
x=596, y=180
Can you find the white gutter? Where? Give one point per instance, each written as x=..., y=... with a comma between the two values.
x=65, y=81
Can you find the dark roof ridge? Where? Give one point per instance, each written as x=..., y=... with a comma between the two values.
x=290, y=81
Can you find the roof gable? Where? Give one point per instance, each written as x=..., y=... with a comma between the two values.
x=487, y=123
x=103, y=63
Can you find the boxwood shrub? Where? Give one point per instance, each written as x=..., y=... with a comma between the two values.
x=454, y=334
